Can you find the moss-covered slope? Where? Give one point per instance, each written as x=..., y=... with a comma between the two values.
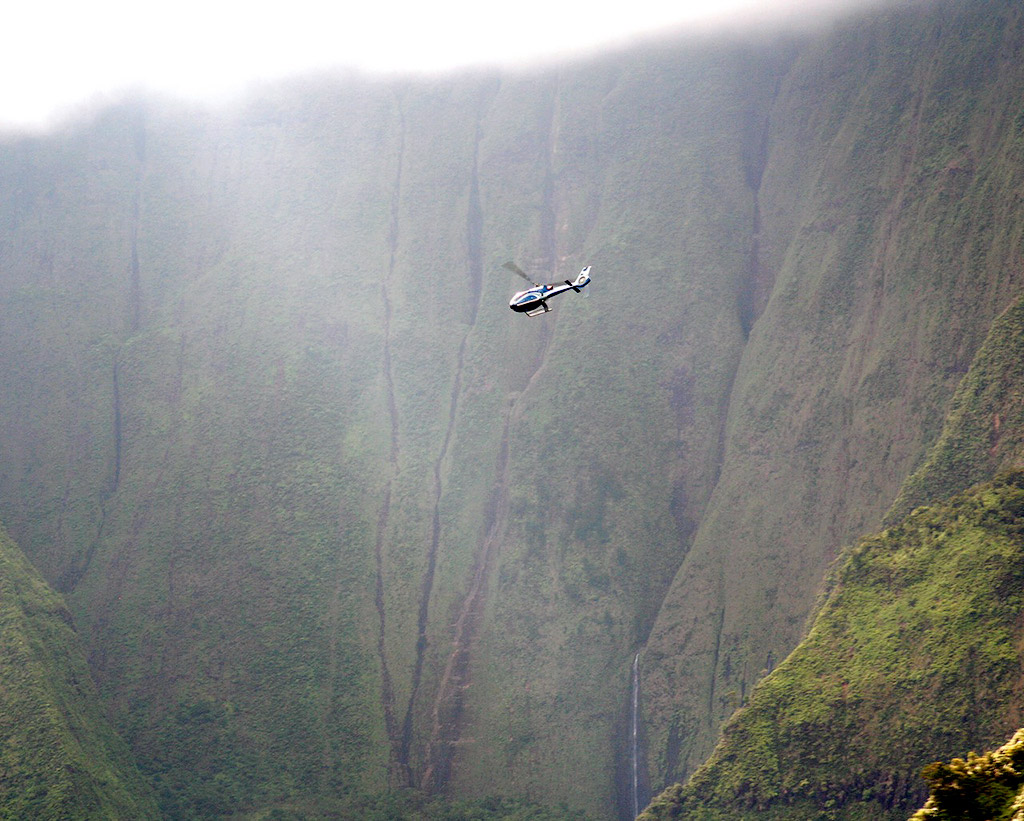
x=59, y=758
x=875, y=672
x=984, y=429
x=914, y=654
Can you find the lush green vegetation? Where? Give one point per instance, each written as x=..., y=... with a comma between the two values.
x=913, y=653
x=59, y=758
x=982, y=787
x=412, y=805
x=331, y=517
x=333, y=522
x=984, y=431
x=914, y=641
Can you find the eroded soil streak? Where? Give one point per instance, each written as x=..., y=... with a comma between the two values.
x=398, y=766
x=446, y=713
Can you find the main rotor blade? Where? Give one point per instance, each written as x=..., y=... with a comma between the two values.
x=517, y=270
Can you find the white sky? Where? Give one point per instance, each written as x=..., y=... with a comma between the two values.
x=56, y=55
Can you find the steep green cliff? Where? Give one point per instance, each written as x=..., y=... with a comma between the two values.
x=332, y=518
x=984, y=429
x=914, y=654
x=892, y=230
x=334, y=521
x=59, y=758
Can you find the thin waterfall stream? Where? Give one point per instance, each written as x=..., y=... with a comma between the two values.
x=633, y=735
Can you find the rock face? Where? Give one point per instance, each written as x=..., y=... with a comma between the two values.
x=331, y=519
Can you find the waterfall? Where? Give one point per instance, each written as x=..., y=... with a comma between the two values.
x=633, y=736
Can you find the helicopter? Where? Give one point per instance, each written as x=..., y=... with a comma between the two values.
x=534, y=300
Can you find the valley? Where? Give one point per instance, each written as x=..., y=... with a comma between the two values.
x=340, y=534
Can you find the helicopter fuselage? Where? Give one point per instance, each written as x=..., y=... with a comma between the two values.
x=534, y=300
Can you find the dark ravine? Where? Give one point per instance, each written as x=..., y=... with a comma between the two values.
x=446, y=713
x=437, y=752
x=400, y=774
x=70, y=578
x=437, y=755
